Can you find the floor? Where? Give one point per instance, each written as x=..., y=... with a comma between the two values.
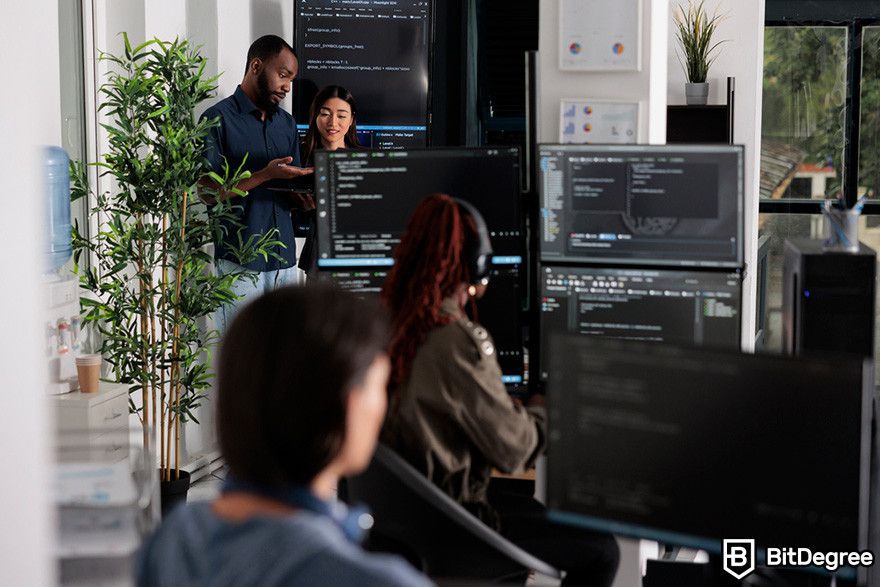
x=208, y=487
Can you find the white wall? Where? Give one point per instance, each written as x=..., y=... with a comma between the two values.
x=742, y=56
x=647, y=86
x=239, y=23
x=201, y=28
x=165, y=19
x=32, y=118
x=114, y=17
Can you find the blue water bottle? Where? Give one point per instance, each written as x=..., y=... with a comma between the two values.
x=58, y=237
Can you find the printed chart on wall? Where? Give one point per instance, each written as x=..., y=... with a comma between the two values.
x=599, y=35
x=598, y=121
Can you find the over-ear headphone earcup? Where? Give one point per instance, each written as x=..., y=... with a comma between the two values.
x=478, y=255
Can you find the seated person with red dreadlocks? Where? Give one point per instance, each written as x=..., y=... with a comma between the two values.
x=450, y=414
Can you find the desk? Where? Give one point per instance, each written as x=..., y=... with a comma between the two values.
x=528, y=475
x=537, y=475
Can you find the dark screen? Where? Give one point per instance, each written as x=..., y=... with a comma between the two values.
x=703, y=124
x=380, y=52
x=641, y=204
x=669, y=306
x=499, y=311
x=693, y=446
x=365, y=199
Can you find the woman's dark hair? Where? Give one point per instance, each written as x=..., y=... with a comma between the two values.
x=312, y=141
x=428, y=266
x=287, y=364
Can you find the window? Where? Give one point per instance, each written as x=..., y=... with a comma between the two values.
x=869, y=135
x=802, y=136
x=821, y=113
x=820, y=130
x=73, y=125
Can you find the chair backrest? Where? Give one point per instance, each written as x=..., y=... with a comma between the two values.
x=448, y=540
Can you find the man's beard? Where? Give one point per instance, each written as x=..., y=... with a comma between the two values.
x=264, y=94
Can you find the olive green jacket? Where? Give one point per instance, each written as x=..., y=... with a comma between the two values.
x=454, y=419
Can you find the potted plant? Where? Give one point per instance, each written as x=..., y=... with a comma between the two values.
x=694, y=30
x=149, y=280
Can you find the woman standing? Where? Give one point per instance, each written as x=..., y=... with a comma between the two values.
x=332, y=126
x=332, y=123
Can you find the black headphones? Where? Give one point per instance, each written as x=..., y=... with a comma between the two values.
x=477, y=255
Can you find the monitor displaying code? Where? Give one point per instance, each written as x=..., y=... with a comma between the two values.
x=377, y=49
x=365, y=199
x=691, y=446
x=499, y=310
x=690, y=308
x=642, y=205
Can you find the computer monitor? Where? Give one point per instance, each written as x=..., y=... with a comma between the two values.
x=363, y=282
x=692, y=446
x=652, y=305
x=642, y=205
x=499, y=311
x=379, y=51
x=365, y=199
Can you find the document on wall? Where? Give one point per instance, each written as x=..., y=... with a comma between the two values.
x=600, y=35
x=582, y=120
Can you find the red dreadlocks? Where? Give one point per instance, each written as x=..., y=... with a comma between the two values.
x=428, y=268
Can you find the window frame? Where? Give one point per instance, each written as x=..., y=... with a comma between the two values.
x=855, y=15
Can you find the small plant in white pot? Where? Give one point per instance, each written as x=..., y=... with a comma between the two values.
x=695, y=28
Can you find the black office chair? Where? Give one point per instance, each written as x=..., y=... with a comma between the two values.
x=416, y=519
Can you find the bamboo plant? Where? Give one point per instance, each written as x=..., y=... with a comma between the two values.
x=149, y=279
x=695, y=28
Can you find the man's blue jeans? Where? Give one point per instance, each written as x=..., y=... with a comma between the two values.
x=247, y=290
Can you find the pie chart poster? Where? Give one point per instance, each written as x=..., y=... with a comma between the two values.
x=600, y=35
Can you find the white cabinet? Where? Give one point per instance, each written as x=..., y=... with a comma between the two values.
x=106, y=410
x=94, y=421
x=104, y=489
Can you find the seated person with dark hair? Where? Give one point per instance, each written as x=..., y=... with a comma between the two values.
x=301, y=399
x=451, y=415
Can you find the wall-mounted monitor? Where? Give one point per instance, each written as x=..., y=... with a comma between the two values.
x=381, y=52
x=641, y=205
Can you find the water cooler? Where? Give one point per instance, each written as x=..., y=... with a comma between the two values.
x=60, y=285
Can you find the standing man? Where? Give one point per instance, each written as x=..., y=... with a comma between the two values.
x=253, y=129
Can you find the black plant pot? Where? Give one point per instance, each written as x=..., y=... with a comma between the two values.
x=173, y=492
